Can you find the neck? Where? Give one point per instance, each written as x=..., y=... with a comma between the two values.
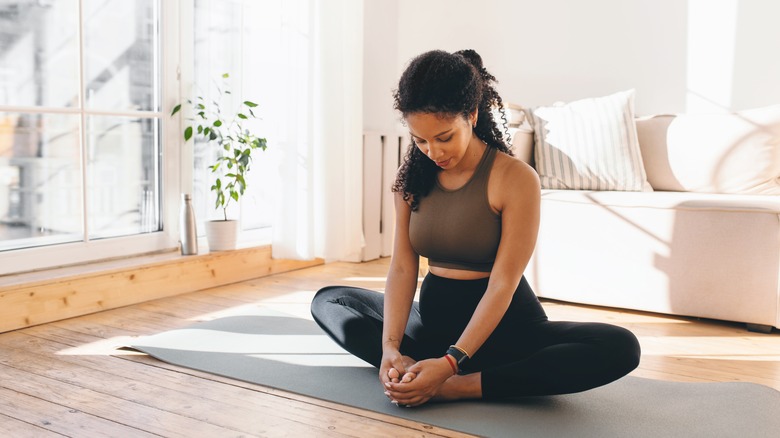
x=473, y=155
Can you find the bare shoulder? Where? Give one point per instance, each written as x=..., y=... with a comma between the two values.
x=513, y=176
x=513, y=183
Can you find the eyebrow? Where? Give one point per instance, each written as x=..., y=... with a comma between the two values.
x=443, y=132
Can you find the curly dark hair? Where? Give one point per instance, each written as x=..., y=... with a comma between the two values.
x=447, y=84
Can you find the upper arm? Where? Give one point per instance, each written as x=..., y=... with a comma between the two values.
x=404, y=257
x=518, y=196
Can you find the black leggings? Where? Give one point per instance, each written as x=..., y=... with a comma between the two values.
x=526, y=355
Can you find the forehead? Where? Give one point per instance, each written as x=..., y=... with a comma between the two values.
x=430, y=124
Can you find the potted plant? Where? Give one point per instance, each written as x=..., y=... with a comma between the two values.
x=235, y=144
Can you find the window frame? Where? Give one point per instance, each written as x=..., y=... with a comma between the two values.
x=176, y=176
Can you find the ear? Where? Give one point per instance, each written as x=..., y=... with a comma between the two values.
x=473, y=116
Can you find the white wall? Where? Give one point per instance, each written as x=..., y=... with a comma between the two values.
x=680, y=56
x=381, y=64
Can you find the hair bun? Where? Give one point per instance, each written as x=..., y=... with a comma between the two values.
x=472, y=57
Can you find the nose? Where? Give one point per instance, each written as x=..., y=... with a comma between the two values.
x=434, y=152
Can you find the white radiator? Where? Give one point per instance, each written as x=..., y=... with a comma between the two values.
x=382, y=154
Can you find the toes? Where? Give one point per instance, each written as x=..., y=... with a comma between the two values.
x=394, y=375
x=408, y=377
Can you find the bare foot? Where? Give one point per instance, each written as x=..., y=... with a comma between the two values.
x=395, y=375
x=459, y=387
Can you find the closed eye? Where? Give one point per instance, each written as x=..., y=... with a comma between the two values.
x=421, y=141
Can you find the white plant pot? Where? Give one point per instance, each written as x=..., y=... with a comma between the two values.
x=222, y=235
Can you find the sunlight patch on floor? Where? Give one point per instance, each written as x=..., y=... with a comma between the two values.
x=740, y=358
x=103, y=347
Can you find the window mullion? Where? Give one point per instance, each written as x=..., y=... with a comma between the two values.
x=83, y=128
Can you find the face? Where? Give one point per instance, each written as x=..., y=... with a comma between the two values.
x=444, y=139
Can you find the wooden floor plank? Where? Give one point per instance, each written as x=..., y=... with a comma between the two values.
x=158, y=421
x=60, y=419
x=11, y=427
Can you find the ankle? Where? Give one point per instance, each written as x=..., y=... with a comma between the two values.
x=459, y=387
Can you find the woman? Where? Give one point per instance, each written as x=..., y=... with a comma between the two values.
x=462, y=201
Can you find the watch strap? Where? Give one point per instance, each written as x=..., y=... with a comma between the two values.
x=458, y=354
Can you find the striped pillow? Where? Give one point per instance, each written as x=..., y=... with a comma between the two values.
x=589, y=144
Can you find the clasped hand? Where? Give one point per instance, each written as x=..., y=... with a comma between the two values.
x=407, y=383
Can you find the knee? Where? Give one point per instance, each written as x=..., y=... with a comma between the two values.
x=626, y=349
x=321, y=299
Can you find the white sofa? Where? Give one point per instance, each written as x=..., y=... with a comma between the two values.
x=704, y=243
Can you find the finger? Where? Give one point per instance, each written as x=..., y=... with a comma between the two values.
x=400, y=397
x=412, y=401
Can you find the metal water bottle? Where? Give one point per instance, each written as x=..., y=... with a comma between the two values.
x=188, y=232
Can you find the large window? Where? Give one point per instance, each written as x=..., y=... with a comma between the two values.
x=91, y=164
x=81, y=131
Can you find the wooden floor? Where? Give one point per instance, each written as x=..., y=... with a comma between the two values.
x=68, y=379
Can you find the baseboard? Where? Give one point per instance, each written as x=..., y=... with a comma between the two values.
x=38, y=299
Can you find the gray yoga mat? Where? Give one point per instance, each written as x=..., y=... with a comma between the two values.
x=289, y=353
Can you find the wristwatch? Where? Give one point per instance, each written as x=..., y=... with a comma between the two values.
x=459, y=355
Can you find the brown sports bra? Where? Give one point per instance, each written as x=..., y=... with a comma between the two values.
x=457, y=229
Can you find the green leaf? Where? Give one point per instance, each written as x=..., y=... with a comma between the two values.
x=202, y=115
x=218, y=183
x=200, y=129
x=226, y=147
x=201, y=106
x=250, y=104
x=188, y=133
x=212, y=135
x=225, y=75
x=218, y=123
x=228, y=92
x=234, y=195
x=175, y=109
x=241, y=116
x=252, y=112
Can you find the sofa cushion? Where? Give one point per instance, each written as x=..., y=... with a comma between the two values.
x=589, y=144
x=713, y=153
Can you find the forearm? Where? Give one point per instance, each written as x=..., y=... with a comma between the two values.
x=487, y=315
x=399, y=294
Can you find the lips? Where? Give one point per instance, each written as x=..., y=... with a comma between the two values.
x=443, y=163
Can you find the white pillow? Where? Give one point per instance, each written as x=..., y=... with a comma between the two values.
x=589, y=144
